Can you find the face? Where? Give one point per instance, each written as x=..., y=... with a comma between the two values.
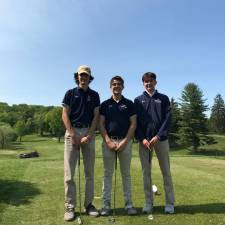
x=116, y=87
x=149, y=84
x=84, y=80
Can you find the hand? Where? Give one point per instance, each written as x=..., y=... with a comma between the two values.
x=154, y=141
x=122, y=145
x=74, y=137
x=84, y=140
x=111, y=145
x=146, y=144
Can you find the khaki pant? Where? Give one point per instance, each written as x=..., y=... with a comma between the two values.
x=109, y=165
x=162, y=153
x=71, y=154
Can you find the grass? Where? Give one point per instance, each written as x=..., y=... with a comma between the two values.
x=32, y=193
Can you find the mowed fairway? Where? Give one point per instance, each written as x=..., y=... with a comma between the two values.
x=32, y=193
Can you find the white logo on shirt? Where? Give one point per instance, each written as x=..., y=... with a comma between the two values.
x=123, y=106
x=158, y=101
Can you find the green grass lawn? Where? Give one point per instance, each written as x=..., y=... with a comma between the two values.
x=32, y=192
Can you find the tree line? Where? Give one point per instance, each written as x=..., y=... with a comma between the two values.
x=190, y=125
x=19, y=120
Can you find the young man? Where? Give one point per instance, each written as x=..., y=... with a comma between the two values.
x=117, y=126
x=153, y=120
x=80, y=116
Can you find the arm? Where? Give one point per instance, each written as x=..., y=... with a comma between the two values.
x=68, y=125
x=85, y=139
x=111, y=145
x=163, y=131
x=139, y=134
x=130, y=133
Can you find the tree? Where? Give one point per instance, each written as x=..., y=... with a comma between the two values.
x=217, y=117
x=21, y=128
x=40, y=121
x=193, y=127
x=54, y=119
x=7, y=135
x=175, y=119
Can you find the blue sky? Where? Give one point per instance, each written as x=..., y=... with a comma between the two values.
x=43, y=42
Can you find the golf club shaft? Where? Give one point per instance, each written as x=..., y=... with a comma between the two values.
x=79, y=185
x=114, y=195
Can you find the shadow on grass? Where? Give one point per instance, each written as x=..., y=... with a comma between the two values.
x=210, y=208
x=16, y=145
x=208, y=152
x=17, y=193
x=36, y=140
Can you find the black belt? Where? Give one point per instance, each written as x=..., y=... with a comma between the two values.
x=117, y=137
x=80, y=125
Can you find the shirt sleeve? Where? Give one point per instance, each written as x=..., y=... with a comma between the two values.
x=67, y=98
x=132, y=110
x=102, y=110
x=97, y=100
x=164, y=129
x=139, y=134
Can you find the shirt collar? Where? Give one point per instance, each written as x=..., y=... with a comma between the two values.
x=148, y=95
x=81, y=90
x=122, y=98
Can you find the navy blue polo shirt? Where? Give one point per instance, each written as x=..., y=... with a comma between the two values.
x=82, y=104
x=117, y=116
x=153, y=116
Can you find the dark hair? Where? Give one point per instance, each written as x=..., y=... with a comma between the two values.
x=149, y=74
x=118, y=78
x=77, y=80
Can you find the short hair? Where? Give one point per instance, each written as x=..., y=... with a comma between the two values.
x=118, y=78
x=148, y=74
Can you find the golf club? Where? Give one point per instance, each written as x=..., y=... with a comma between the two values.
x=150, y=216
x=112, y=219
x=79, y=220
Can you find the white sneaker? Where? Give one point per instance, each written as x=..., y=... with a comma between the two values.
x=148, y=208
x=69, y=213
x=169, y=209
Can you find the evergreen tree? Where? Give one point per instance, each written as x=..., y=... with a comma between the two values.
x=175, y=119
x=193, y=126
x=217, y=117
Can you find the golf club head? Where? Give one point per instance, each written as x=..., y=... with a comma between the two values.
x=150, y=217
x=154, y=188
x=112, y=220
x=79, y=221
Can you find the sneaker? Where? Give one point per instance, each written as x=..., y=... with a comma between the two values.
x=131, y=211
x=148, y=208
x=91, y=210
x=69, y=213
x=105, y=211
x=169, y=209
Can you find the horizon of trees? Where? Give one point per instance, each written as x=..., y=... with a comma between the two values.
x=190, y=125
